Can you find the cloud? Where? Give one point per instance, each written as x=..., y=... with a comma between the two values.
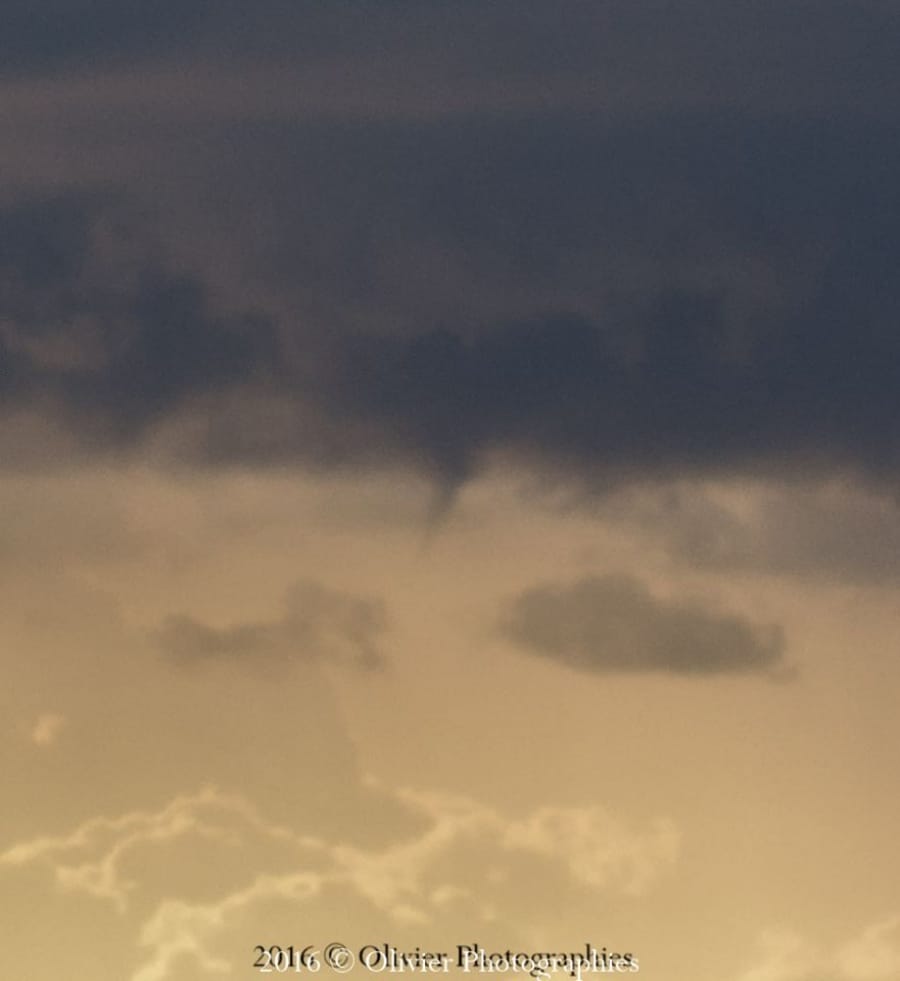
x=568, y=350
x=54, y=35
x=636, y=54
x=785, y=956
x=614, y=624
x=594, y=846
x=834, y=530
x=95, y=326
x=413, y=879
x=179, y=929
x=691, y=374
x=873, y=955
x=90, y=858
x=600, y=291
x=47, y=728
x=318, y=622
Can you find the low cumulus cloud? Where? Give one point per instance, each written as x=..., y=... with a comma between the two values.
x=614, y=624
x=317, y=623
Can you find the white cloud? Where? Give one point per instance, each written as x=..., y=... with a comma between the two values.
x=413, y=880
x=102, y=843
x=595, y=847
x=178, y=928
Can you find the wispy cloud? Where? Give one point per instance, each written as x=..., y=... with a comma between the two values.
x=89, y=859
x=318, y=622
x=411, y=880
x=872, y=955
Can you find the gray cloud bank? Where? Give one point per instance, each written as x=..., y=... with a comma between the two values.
x=831, y=532
x=633, y=286
x=613, y=624
x=622, y=50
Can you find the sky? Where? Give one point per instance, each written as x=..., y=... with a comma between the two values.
x=448, y=484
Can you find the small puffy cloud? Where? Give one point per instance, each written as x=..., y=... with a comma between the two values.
x=317, y=622
x=47, y=728
x=614, y=624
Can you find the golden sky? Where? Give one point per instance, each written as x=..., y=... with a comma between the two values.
x=373, y=759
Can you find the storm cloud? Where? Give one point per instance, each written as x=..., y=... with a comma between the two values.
x=91, y=323
x=616, y=282
x=613, y=624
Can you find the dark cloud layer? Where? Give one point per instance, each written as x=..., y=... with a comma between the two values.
x=90, y=321
x=318, y=622
x=833, y=52
x=624, y=287
x=614, y=624
x=83, y=35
